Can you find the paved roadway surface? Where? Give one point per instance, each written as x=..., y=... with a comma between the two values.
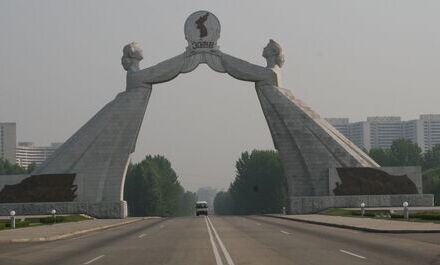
x=227, y=241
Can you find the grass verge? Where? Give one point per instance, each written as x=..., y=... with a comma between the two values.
x=432, y=217
x=44, y=221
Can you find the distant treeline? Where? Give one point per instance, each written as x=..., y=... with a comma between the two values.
x=259, y=186
x=7, y=168
x=404, y=152
x=152, y=189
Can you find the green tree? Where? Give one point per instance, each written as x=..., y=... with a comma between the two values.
x=405, y=153
x=259, y=186
x=170, y=189
x=141, y=189
x=431, y=159
x=31, y=167
x=381, y=156
x=431, y=183
x=152, y=188
x=7, y=168
x=223, y=203
x=187, y=203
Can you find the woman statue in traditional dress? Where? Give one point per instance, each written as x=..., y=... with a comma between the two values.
x=98, y=153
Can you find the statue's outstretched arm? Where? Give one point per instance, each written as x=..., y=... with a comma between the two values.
x=164, y=71
x=243, y=70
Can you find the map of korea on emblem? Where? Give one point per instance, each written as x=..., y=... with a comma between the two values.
x=202, y=30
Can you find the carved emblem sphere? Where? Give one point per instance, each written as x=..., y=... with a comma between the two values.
x=202, y=30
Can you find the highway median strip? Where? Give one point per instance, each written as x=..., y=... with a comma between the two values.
x=212, y=231
x=222, y=246
x=218, y=259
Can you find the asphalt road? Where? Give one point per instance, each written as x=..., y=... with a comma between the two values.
x=229, y=240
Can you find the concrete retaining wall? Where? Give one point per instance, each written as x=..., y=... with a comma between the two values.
x=314, y=204
x=95, y=209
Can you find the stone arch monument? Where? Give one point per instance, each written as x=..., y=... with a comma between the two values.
x=97, y=155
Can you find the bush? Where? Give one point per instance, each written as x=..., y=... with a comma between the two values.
x=74, y=218
x=367, y=213
x=51, y=220
x=22, y=224
x=426, y=216
x=2, y=226
x=60, y=219
x=18, y=224
x=370, y=213
x=32, y=220
x=396, y=215
x=423, y=216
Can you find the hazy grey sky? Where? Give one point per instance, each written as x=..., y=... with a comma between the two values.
x=60, y=63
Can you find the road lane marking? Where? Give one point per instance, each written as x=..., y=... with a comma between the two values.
x=352, y=254
x=142, y=235
x=218, y=260
x=92, y=260
x=284, y=232
x=257, y=223
x=222, y=246
x=80, y=237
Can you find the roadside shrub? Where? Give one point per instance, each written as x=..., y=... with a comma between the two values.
x=32, y=220
x=396, y=215
x=18, y=224
x=51, y=220
x=369, y=213
x=75, y=218
x=426, y=215
x=22, y=224
x=2, y=226
x=423, y=216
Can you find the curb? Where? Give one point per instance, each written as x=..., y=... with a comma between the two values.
x=365, y=229
x=81, y=232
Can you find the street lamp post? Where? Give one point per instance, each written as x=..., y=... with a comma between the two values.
x=12, y=213
x=54, y=212
x=405, y=210
x=362, y=209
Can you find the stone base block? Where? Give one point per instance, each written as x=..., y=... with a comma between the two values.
x=315, y=204
x=103, y=210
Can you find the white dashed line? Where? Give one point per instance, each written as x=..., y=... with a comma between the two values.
x=92, y=260
x=284, y=232
x=142, y=235
x=257, y=223
x=352, y=254
x=218, y=260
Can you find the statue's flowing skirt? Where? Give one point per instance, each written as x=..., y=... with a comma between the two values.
x=99, y=152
